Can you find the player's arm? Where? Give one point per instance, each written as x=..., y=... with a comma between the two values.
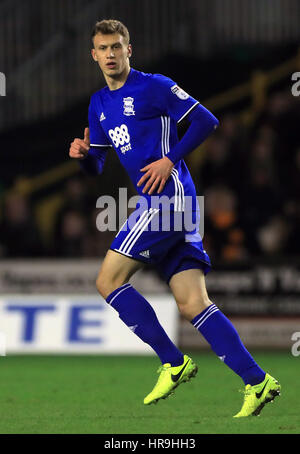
x=91, y=159
x=202, y=124
x=178, y=105
x=91, y=151
x=156, y=174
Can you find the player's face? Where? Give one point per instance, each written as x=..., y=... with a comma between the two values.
x=111, y=53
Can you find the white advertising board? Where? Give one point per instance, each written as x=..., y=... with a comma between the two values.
x=74, y=324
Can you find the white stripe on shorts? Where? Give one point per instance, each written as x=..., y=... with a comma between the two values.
x=179, y=191
x=137, y=230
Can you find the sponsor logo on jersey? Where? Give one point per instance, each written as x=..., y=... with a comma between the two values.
x=120, y=136
x=102, y=117
x=179, y=92
x=128, y=106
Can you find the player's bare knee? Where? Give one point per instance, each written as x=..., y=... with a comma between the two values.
x=107, y=284
x=104, y=287
x=190, y=307
x=100, y=285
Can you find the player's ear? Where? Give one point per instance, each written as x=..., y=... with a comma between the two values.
x=129, y=49
x=93, y=52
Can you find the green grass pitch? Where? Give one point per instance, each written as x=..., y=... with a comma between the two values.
x=104, y=395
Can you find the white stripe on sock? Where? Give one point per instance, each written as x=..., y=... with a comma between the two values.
x=122, y=288
x=211, y=307
x=204, y=320
x=207, y=315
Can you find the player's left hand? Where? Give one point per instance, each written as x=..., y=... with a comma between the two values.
x=157, y=173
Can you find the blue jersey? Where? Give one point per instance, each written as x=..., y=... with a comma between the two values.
x=139, y=120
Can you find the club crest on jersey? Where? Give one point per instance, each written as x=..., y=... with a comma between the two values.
x=128, y=106
x=179, y=92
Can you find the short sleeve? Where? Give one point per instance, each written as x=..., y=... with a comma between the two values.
x=98, y=138
x=170, y=98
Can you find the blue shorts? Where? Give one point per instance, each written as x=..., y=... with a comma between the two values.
x=161, y=239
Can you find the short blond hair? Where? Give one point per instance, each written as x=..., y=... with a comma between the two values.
x=110, y=26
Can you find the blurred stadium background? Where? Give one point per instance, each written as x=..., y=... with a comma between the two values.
x=237, y=57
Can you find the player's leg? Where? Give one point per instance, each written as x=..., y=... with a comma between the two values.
x=133, y=309
x=116, y=270
x=189, y=289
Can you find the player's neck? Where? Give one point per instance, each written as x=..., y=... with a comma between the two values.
x=114, y=83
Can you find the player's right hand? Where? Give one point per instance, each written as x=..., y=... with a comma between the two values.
x=79, y=147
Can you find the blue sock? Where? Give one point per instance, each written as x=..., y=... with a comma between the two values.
x=226, y=343
x=135, y=311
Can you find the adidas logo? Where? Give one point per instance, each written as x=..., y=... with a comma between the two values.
x=222, y=358
x=133, y=328
x=102, y=117
x=145, y=254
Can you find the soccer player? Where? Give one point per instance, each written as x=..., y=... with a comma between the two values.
x=137, y=115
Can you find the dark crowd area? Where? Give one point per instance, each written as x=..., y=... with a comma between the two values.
x=249, y=176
